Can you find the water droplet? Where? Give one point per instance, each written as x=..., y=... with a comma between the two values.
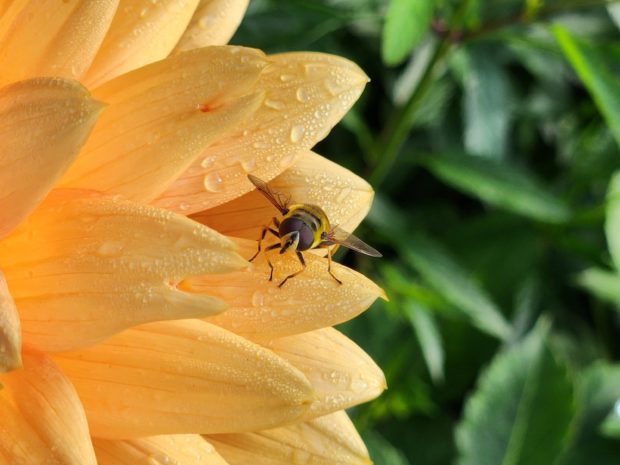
x=144, y=11
x=258, y=299
x=207, y=162
x=297, y=133
x=248, y=165
x=110, y=248
x=213, y=182
x=334, y=87
x=359, y=385
x=287, y=160
x=274, y=104
x=184, y=206
x=287, y=77
x=261, y=145
x=302, y=95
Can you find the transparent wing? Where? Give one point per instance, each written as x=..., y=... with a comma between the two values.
x=278, y=200
x=348, y=240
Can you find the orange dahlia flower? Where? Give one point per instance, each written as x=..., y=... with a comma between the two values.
x=132, y=328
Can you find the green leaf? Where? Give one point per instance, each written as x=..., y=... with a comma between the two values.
x=423, y=323
x=406, y=23
x=612, y=221
x=382, y=452
x=501, y=184
x=455, y=285
x=522, y=410
x=600, y=390
x=487, y=104
x=602, y=283
x=601, y=82
x=611, y=425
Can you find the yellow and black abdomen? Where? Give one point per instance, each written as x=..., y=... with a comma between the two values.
x=309, y=220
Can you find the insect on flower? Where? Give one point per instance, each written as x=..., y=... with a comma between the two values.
x=303, y=227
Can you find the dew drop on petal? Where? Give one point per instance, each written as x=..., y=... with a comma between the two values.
x=297, y=133
x=213, y=182
x=248, y=164
x=258, y=299
x=274, y=104
x=287, y=77
x=302, y=95
x=208, y=162
x=110, y=248
x=287, y=160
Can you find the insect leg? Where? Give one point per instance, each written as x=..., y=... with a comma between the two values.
x=303, y=263
x=271, y=247
x=329, y=265
x=264, y=233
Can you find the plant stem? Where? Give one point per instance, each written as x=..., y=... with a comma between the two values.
x=387, y=146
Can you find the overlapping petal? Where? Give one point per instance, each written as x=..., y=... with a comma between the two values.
x=43, y=124
x=184, y=376
x=162, y=116
x=306, y=94
x=81, y=269
x=51, y=38
x=344, y=196
x=328, y=440
x=260, y=310
x=143, y=31
x=178, y=449
x=214, y=23
x=340, y=372
x=10, y=330
x=42, y=420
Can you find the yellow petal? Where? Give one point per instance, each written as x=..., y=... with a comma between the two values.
x=51, y=38
x=41, y=417
x=162, y=116
x=184, y=376
x=214, y=23
x=340, y=372
x=260, y=310
x=344, y=196
x=82, y=269
x=142, y=32
x=44, y=122
x=328, y=440
x=10, y=331
x=306, y=94
x=179, y=449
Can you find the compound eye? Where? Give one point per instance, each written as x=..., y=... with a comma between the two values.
x=306, y=238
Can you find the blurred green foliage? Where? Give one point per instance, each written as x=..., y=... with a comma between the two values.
x=491, y=133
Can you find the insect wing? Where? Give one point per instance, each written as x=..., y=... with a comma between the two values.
x=348, y=240
x=275, y=198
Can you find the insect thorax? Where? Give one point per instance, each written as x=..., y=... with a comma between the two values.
x=310, y=220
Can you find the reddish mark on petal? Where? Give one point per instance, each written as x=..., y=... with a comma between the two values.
x=207, y=107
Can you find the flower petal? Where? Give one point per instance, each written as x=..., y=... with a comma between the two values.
x=260, y=310
x=44, y=122
x=178, y=449
x=10, y=331
x=162, y=116
x=142, y=32
x=50, y=38
x=214, y=23
x=306, y=94
x=328, y=440
x=184, y=376
x=340, y=372
x=344, y=196
x=43, y=421
x=82, y=269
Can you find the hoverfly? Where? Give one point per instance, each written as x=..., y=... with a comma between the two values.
x=304, y=227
